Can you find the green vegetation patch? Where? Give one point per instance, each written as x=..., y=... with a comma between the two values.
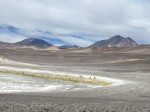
x=60, y=77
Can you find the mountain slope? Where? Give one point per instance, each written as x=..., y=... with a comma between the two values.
x=5, y=44
x=116, y=41
x=34, y=42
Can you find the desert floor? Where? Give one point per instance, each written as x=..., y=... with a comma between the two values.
x=130, y=67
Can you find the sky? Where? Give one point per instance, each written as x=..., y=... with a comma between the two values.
x=74, y=22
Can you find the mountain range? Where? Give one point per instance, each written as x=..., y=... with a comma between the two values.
x=34, y=42
x=115, y=41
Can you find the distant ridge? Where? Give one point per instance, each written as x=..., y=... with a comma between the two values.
x=68, y=46
x=5, y=44
x=116, y=41
x=34, y=42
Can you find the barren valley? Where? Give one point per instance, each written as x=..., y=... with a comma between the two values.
x=127, y=69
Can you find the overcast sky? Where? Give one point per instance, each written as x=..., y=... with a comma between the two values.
x=79, y=22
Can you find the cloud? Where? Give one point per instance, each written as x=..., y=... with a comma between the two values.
x=80, y=22
x=11, y=37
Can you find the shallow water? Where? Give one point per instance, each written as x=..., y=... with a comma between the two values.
x=10, y=83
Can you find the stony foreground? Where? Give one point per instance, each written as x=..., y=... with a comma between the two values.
x=25, y=103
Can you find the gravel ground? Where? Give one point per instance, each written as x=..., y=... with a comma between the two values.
x=133, y=96
x=38, y=103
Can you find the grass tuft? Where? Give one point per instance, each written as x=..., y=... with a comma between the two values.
x=80, y=79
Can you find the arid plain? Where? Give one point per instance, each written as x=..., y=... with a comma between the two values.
x=130, y=66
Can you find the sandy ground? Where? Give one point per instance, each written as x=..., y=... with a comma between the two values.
x=133, y=68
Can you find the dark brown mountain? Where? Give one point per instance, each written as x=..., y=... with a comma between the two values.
x=116, y=41
x=34, y=42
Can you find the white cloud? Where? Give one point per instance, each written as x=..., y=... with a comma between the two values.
x=11, y=37
x=103, y=18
